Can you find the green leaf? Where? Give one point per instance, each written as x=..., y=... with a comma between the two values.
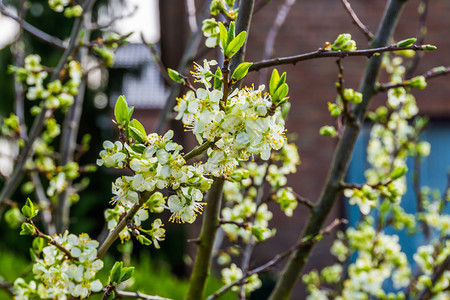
x=28, y=210
x=121, y=111
x=241, y=71
x=126, y=273
x=407, y=42
x=137, y=131
x=281, y=92
x=235, y=44
x=175, y=76
x=27, y=229
x=223, y=36
x=258, y=233
x=231, y=33
x=281, y=81
x=398, y=172
x=115, y=273
x=274, y=81
x=217, y=79
x=38, y=244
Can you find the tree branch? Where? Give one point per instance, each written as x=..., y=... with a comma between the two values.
x=45, y=37
x=278, y=258
x=430, y=74
x=114, y=234
x=38, y=123
x=210, y=224
x=320, y=53
x=341, y=159
x=357, y=21
x=138, y=295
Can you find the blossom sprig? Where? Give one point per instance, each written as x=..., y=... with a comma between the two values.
x=379, y=257
x=66, y=266
x=55, y=94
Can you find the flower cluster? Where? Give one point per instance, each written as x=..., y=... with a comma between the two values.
x=55, y=93
x=379, y=257
x=234, y=273
x=157, y=165
x=246, y=124
x=58, y=276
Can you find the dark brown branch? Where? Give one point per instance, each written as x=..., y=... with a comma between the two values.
x=278, y=258
x=423, y=13
x=357, y=21
x=320, y=53
x=45, y=37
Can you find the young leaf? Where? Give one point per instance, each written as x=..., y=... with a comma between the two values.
x=235, y=44
x=223, y=36
x=231, y=33
x=121, y=111
x=274, y=81
x=217, y=79
x=27, y=229
x=175, y=76
x=115, y=273
x=281, y=81
x=137, y=131
x=28, y=210
x=241, y=71
x=126, y=273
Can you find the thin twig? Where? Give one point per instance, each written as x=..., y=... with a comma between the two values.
x=44, y=204
x=19, y=56
x=357, y=21
x=430, y=74
x=45, y=37
x=52, y=241
x=138, y=295
x=161, y=67
x=278, y=258
x=423, y=13
x=320, y=53
x=303, y=200
x=273, y=32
